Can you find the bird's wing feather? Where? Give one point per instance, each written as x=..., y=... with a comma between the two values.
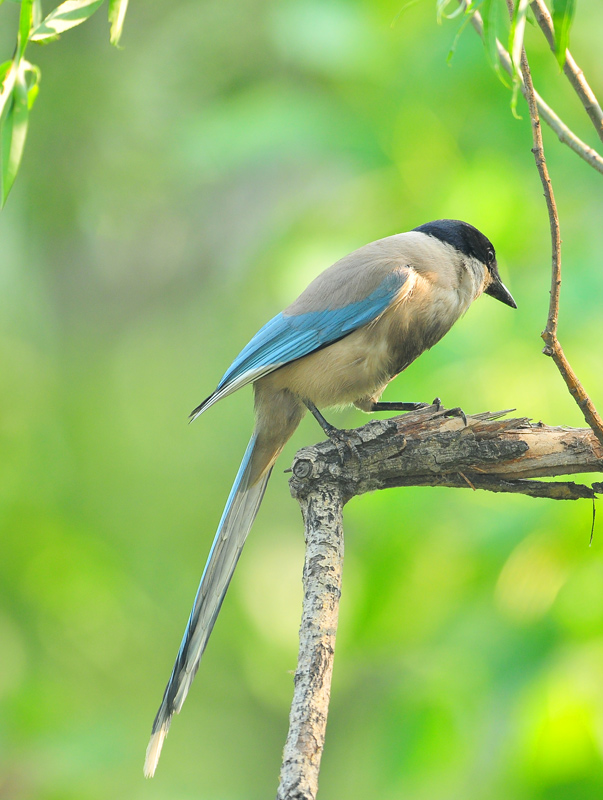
x=287, y=337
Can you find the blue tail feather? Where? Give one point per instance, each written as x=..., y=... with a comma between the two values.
x=238, y=516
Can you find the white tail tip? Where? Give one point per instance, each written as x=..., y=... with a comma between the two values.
x=154, y=751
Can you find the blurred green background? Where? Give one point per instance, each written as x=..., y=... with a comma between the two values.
x=175, y=195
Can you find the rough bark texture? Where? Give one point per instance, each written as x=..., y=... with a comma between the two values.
x=425, y=448
x=322, y=512
x=431, y=449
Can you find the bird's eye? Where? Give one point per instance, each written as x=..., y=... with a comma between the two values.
x=490, y=256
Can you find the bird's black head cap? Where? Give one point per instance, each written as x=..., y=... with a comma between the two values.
x=462, y=236
x=471, y=242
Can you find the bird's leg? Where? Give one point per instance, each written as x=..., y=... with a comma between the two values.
x=329, y=429
x=338, y=436
x=387, y=406
x=451, y=412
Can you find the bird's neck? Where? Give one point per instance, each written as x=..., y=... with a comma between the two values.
x=470, y=282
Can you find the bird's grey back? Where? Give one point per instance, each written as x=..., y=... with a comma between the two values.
x=356, y=275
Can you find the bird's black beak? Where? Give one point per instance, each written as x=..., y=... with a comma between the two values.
x=498, y=290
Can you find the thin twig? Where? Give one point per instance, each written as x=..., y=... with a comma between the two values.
x=549, y=196
x=549, y=335
x=551, y=490
x=571, y=70
x=565, y=134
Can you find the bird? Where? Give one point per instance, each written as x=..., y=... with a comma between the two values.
x=356, y=326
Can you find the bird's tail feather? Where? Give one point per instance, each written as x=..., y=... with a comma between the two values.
x=240, y=511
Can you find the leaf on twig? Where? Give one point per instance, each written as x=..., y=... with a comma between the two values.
x=25, y=22
x=4, y=68
x=66, y=16
x=518, y=26
x=13, y=130
x=495, y=30
x=36, y=13
x=441, y=7
x=117, y=14
x=33, y=85
x=563, y=16
x=19, y=91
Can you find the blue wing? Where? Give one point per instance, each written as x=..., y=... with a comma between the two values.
x=288, y=337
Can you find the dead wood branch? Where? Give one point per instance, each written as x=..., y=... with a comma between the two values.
x=426, y=448
x=322, y=589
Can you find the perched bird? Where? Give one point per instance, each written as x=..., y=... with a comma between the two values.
x=357, y=325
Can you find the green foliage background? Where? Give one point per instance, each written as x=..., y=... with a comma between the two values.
x=173, y=196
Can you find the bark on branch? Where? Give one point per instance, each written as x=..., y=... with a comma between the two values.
x=426, y=448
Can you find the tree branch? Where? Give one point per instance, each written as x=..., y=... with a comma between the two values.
x=322, y=513
x=425, y=448
x=549, y=335
x=565, y=134
x=572, y=71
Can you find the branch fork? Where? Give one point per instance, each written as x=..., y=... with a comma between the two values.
x=423, y=448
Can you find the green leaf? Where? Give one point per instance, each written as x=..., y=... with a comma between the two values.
x=518, y=26
x=25, y=21
x=6, y=91
x=495, y=30
x=64, y=17
x=33, y=76
x=441, y=7
x=490, y=18
x=13, y=131
x=4, y=68
x=117, y=15
x=36, y=13
x=563, y=16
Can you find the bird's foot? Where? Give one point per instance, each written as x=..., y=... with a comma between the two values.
x=457, y=412
x=449, y=412
x=340, y=437
x=345, y=441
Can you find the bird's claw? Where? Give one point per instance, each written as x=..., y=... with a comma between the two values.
x=454, y=412
x=342, y=438
x=457, y=412
x=449, y=412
